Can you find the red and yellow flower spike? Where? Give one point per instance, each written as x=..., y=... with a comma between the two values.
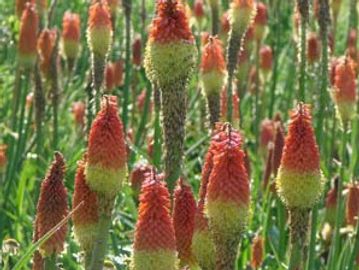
x=170, y=58
x=99, y=30
x=260, y=21
x=45, y=45
x=313, y=51
x=52, y=208
x=299, y=181
x=242, y=12
x=28, y=36
x=71, y=34
x=109, y=78
x=228, y=195
x=106, y=167
x=352, y=205
x=344, y=89
x=213, y=73
x=86, y=218
x=138, y=176
x=137, y=51
x=183, y=221
x=266, y=59
x=154, y=244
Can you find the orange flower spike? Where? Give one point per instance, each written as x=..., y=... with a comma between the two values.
x=198, y=10
x=78, y=111
x=331, y=204
x=106, y=167
x=183, y=222
x=257, y=252
x=109, y=78
x=137, y=51
x=99, y=30
x=138, y=176
x=260, y=21
x=228, y=195
x=352, y=205
x=154, y=245
x=71, y=34
x=344, y=89
x=266, y=134
x=52, y=208
x=45, y=45
x=20, y=6
x=313, y=51
x=213, y=75
x=118, y=71
x=28, y=36
x=85, y=219
x=266, y=59
x=299, y=181
x=242, y=12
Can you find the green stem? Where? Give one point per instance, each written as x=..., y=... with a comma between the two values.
x=127, y=7
x=299, y=222
x=355, y=250
x=157, y=153
x=334, y=252
x=50, y=262
x=100, y=247
x=215, y=19
x=313, y=234
x=257, y=105
x=303, y=59
x=98, y=69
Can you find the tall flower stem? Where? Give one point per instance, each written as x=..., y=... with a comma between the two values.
x=98, y=71
x=100, y=248
x=157, y=153
x=303, y=6
x=215, y=18
x=299, y=222
x=39, y=102
x=340, y=205
x=257, y=105
x=323, y=22
x=50, y=263
x=127, y=4
x=55, y=94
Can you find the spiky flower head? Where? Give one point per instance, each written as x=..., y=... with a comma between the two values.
x=99, y=29
x=266, y=59
x=260, y=21
x=118, y=71
x=170, y=51
x=344, y=89
x=228, y=194
x=138, y=176
x=106, y=167
x=331, y=204
x=213, y=66
x=109, y=78
x=20, y=6
x=183, y=221
x=352, y=205
x=45, y=45
x=137, y=51
x=299, y=181
x=266, y=134
x=71, y=35
x=52, y=208
x=198, y=10
x=313, y=51
x=154, y=244
x=28, y=36
x=86, y=218
x=78, y=112
x=241, y=14
x=257, y=252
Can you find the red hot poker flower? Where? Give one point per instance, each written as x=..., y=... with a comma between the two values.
x=45, y=45
x=106, y=167
x=299, y=180
x=352, y=207
x=52, y=208
x=85, y=219
x=183, y=221
x=28, y=36
x=171, y=23
x=71, y=35
x=154, y=244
